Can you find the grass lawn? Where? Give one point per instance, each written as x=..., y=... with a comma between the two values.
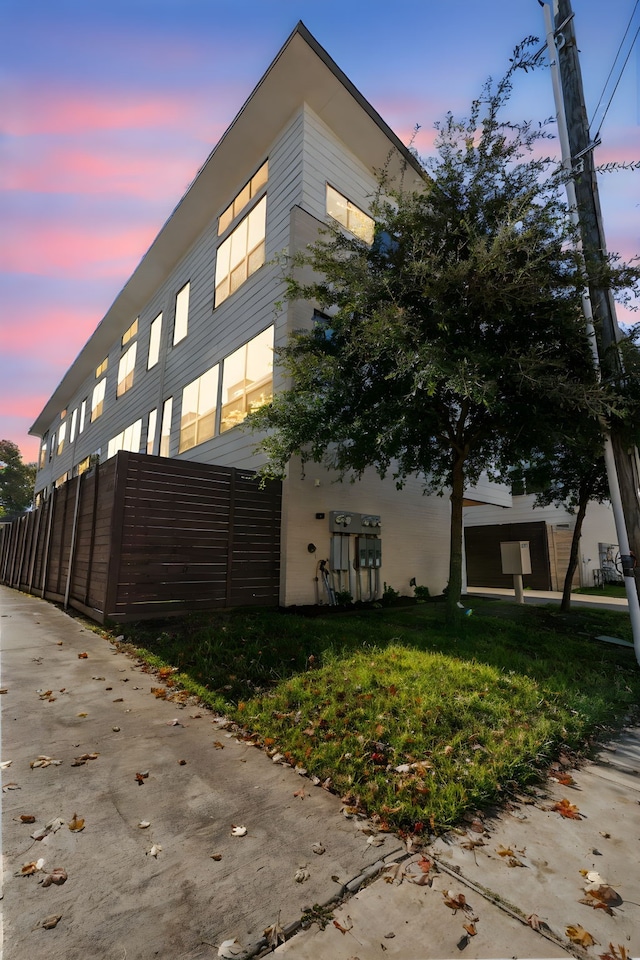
x=408, y=720
x=608, y=590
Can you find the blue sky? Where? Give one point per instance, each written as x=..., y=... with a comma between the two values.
x=108, y=108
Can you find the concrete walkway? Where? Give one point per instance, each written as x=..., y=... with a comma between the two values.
x=196, y=781
x=551, y=596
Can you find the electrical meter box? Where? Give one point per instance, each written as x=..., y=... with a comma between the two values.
x=344, y=521
x=339, y=557
x=516, y=558
x=368, y=552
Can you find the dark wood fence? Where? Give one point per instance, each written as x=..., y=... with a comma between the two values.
x=140, y=537
x=484, y=560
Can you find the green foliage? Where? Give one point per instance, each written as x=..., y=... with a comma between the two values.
x=17, y=480
x=421, y=593
x=456, y=339
x=354, y=697
x=343, y=598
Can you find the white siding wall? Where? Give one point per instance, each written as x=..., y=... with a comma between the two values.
x=414, y=532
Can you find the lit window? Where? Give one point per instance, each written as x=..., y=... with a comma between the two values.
x=248, y=192
x=247, y=379
x=350, y=216
x=182, y=314
x=83, y=466
x=151, y=431
x=241, y=253
x=83, y=415
x=128, y=439
x=97, y=399
x=165, y=428
x=102, y=368
x=154, y=342
x=74, y=424
x=126, y=369
x=52, y=447
x=198, y=418
x=42, y=460
x=130, y=332
x=62, y=433
x=61, y=480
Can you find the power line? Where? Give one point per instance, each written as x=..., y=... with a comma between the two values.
x=622, y=69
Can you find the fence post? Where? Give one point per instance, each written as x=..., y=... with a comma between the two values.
x=115, y=535
x=72, y=545
x=34, y=548
x=47, y=545
x=230, y=535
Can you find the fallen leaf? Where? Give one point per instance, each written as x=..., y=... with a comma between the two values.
x=58, y=876
x=76, y=824
x=592, y=876
x=604, y=893
x=4, y=690
x=174, y=723
x=182, y=763
x=614, y=955
x=238, y=831
x=470, y=844
x=144, y=824
x=597, y=905
x=300, y=793
x=28, y=869
x=470, y=928
x=375, y=840
x=454, y=901
x=43, y=761
x=505, y=851
x=82, y=714
x=229, y=949
x=159, y=692
x=579, y=935
x=27, y=818
x=50, y=922
x=563, y=778
x=218, y=745
x=301, y=875
x=274, y=934
x=54, y=825
x=11, y=786
x=155, y=850
x=341, y=928
x=141, y=777
x=216, y=856
x=44, y=694
x=318, y=848
x=567, y=809
x=82, y=656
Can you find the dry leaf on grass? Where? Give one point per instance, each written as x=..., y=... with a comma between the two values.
x=563, y=778
x=52, y=921
x=567, y=809
x=579, y=935
x=58, y=876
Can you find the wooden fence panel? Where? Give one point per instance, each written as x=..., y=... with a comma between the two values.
x=484, y=564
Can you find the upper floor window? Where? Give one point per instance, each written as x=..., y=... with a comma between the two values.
x=154, y=341
x=62, y=434
x=128, y=439
x=151, y=430
x=97, y=399
x=247, y=379
x=346, y=213
x=248, y=192
x=102, y=367
x=42, y=459
x=130, y=332
x=74, y=424
x=198, y=417
x=52, y=447
x=126, y=369
x=241, y=253
x=61, y=480
x=83, y=466
x=83, y=415
x=182, y=314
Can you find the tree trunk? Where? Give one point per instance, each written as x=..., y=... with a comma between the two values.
x=575, y=543
x=455, y=544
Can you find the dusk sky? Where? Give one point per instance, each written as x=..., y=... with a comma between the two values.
x=108, y=108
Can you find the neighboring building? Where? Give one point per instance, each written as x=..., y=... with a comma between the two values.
x=549, y=531
x=186, y=349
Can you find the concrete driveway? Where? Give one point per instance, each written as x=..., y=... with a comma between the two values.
x=70, y=694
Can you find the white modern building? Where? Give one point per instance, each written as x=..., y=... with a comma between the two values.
x=186, y=349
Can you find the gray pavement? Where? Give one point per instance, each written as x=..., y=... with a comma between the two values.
x=121, y=902
x=551, y=596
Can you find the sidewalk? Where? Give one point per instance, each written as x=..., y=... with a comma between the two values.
x=179, y=769
x=550, y=596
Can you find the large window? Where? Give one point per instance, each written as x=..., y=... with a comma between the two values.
x=130, y=332
x=62, y=433
x=83, y=415
x=128, y=439
x=182, y=314
x=74, y=424
x=248, y=192
x=126, y=369
x=165, y=427
x=42, y=459
x=155, y=334
x=97, y=399
x=151, y=430
x=198, y=416
x=247, y=379
x=350, y=216
x=242, y=253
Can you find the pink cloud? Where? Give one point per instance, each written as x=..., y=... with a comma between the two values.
x=56, y=332
x=30, y=111
x=99, y=250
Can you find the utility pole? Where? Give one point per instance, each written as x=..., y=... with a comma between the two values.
x=599, y=307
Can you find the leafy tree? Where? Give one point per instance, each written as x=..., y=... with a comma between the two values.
x=453, y=339
x=17, y=480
